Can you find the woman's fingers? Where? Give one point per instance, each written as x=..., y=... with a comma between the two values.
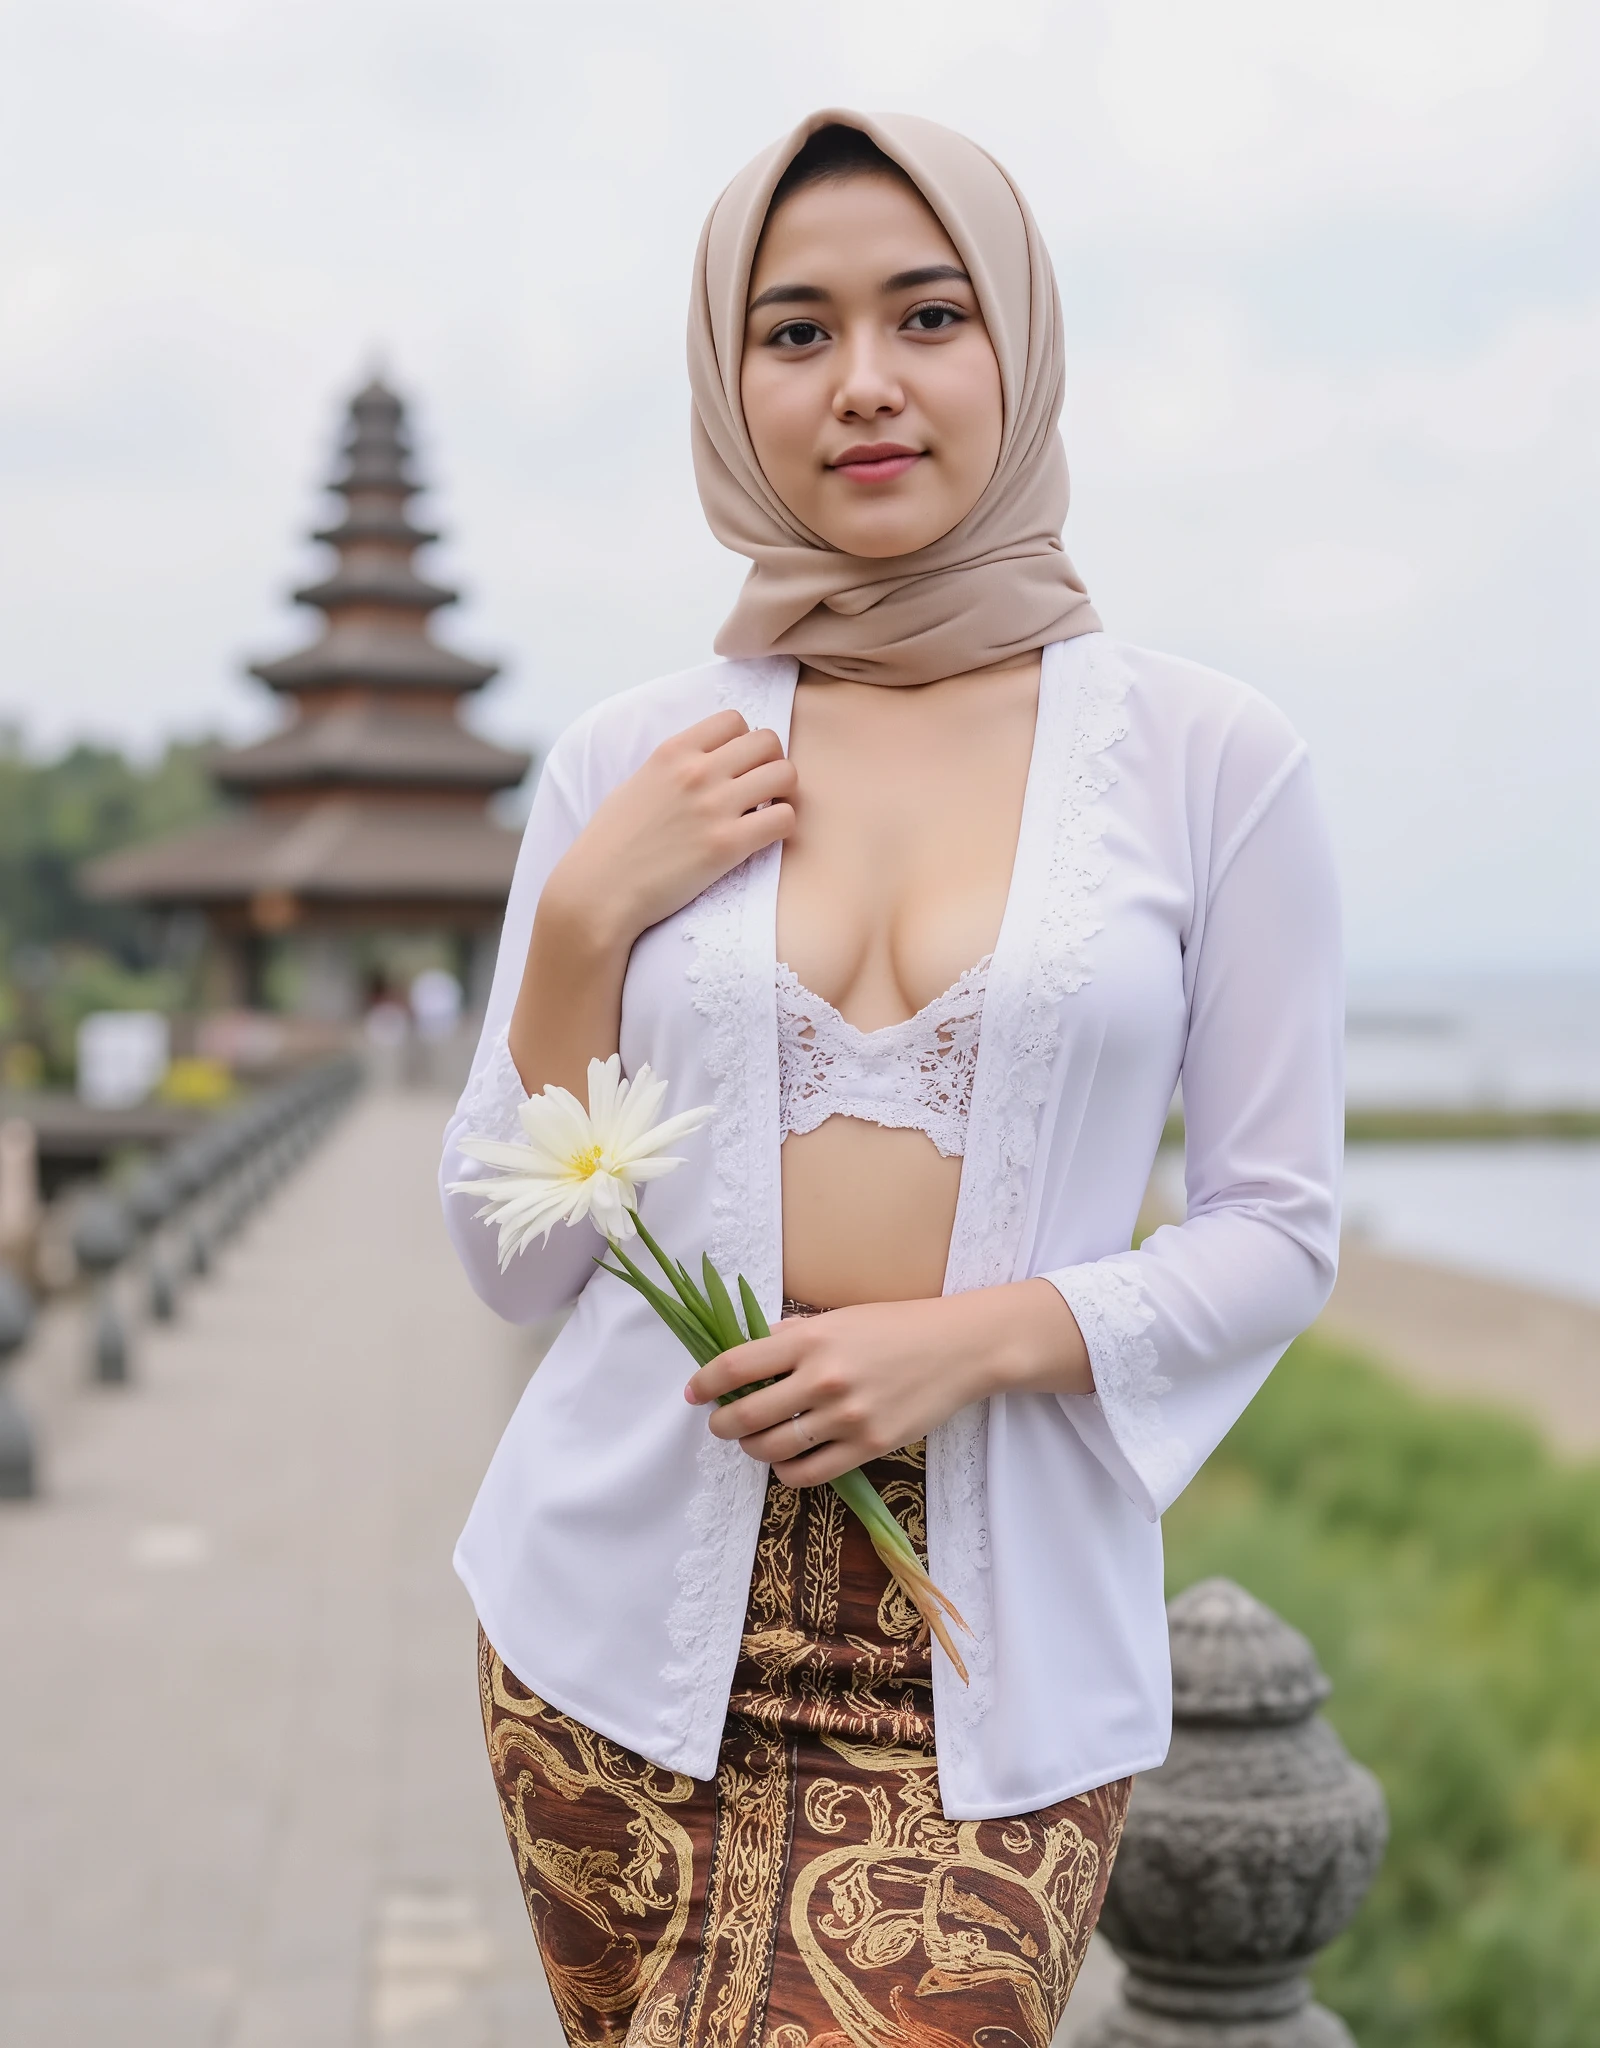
x=803, y=1383
x=759, y=828
x=746, y=750
x=803, y=1453
x=764, y=785
x=815, y=1468
x=750, y=1416
x=744, y=1366
x=706, y=735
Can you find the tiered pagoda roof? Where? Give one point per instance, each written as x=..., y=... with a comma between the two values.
x=375, y=603
x=373, y=793
x=369, y=744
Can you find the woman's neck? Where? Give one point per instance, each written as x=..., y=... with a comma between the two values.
x=1016, y=667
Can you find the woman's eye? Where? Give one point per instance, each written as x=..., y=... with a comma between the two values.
x=798, y=334
x=933, y=319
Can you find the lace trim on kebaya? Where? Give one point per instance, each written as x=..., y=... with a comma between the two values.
x=1082, y=716
x=724, y=1513
x=1111, y=1310
x=493, y=1096
x=916, y=1075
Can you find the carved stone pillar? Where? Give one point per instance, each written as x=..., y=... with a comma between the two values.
x=18, y=1475
x=1247, y=1851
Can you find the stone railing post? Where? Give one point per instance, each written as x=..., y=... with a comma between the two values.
x=151, y=1201
x=188, y=1171
x=1247, y=1851
x=18, y=1477
x=213, y=1168
x=101, y=1239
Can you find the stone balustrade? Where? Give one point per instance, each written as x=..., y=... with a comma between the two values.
x=1247, y=1851
x=17, y=1478
x=162, y=1229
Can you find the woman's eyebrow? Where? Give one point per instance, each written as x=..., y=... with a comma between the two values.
x=902, y=281
x=789, y=295
x=930, y=273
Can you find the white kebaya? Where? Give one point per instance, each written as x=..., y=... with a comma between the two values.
x=1172, y=917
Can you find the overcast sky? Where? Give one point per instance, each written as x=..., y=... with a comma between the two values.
x=1332, y=312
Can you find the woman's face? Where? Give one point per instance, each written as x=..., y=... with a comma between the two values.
x=869, y=382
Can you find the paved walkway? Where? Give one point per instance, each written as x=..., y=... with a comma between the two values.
x=245, y=1798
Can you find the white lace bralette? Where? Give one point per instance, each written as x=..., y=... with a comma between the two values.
x=914, y=1076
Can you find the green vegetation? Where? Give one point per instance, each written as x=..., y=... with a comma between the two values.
x=1448, y=1571
x=1467, y=1126
x=1446, y=1126
x=62, y=955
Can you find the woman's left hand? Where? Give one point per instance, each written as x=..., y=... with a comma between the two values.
x=857, y=1382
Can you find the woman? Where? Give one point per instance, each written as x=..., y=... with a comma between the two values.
x=936, y=892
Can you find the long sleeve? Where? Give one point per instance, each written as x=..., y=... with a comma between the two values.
x=546, y=1277
x=1182, y=1332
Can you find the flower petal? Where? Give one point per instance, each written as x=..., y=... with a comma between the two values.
x=556, y=1124
x=529, y=1210
x=492, y=1152
x=636, y=1114
x=605, y=1084
x=578, y=1164
x=652, y=1169
x=610, y=1206
x=668, y=1133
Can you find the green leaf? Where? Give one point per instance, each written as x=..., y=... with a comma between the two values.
x=700, y=1347
x=721, y=1307
x=691, y=1297
x=739, y=1393
x=754, y=1321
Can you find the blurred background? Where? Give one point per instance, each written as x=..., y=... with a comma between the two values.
x=1333, y=415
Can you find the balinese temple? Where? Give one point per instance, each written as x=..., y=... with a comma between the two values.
x=359, y=844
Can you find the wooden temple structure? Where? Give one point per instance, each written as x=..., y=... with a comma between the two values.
x=361, y=828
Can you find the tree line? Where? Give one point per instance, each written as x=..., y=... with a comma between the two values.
x=62, y=954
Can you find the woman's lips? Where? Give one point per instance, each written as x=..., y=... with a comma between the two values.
x=879, y=463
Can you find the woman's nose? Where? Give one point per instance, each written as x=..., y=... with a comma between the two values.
x=867, y=387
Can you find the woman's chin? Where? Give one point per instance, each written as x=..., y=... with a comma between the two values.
x=882, y=540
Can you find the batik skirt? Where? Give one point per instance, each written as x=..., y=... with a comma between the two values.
x=812, y=1895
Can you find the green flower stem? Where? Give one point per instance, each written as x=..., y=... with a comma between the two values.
x=706, y=1323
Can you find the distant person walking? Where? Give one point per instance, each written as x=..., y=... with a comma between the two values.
x=936, y=891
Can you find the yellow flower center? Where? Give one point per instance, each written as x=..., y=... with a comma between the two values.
x=583, y=1164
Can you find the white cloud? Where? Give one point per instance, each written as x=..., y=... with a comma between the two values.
x=212, y=211
x=1468, y=103
x=1336, y=582
x=1537, y=379
x=913, y=44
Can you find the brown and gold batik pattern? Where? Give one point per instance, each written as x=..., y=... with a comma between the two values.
x=813, y=1895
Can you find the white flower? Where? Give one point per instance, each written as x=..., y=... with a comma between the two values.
x=578, y=1163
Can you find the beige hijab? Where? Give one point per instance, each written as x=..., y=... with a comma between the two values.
x=997, y=585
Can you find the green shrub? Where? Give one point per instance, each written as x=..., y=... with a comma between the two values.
x=63, y=953
x=1448, y=1571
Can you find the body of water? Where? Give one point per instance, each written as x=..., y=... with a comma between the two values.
x=1520, y=1212
x=1524, y=1212
x=1529, y=1213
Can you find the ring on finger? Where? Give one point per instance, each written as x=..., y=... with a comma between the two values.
x=808, y=1441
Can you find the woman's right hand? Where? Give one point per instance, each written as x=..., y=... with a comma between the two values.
x=692, y=812
x=706, y=799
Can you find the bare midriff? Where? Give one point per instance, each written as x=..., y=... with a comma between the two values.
x=893, y=884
